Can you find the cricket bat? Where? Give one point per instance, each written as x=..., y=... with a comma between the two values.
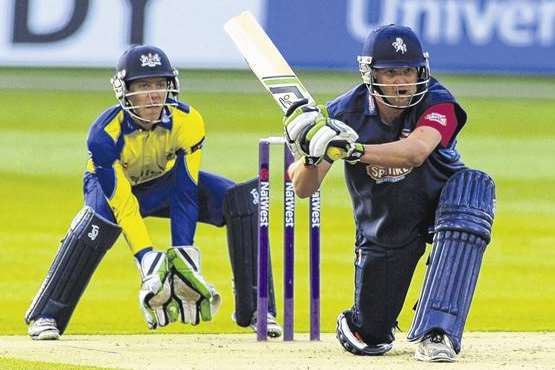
x=267, y=63
x=265, y=60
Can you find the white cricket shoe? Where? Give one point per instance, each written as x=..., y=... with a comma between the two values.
x=43, y=328
x=435, y=347
x=274, y=329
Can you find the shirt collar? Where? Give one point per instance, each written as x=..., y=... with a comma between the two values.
x=129, y=124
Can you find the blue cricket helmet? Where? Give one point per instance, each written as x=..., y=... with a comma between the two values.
x=394, y=46
x=139, y=62
x=144, y=61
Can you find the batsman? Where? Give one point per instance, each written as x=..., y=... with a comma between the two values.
x=144, y=160
x=396, y=134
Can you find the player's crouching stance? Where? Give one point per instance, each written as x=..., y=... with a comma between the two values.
x=396, y=133
x=145, y=161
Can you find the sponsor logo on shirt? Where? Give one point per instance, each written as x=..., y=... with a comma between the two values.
x=145, y=175
x=384, y=174
x=437, y=117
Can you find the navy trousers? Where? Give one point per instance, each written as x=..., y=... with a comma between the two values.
x=382, y=279
x=172, y=196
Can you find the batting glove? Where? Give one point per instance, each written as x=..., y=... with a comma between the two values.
x=342, y=149
x=299, y=117
x=328, y=139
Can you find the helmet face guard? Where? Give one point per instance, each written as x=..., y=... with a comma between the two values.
x=367, y=72
x=142, y=62
x=392, y=47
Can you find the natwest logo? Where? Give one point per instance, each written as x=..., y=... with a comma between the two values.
x=522, y=23
x=315, y=210
x=264, y=205
x=289, y=212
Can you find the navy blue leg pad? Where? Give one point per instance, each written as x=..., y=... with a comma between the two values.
x=81, y=250
x=463, y=229
x=240, y=212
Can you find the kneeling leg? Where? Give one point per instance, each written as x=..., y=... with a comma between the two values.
x=382, y=278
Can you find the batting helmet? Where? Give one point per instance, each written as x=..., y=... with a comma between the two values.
x=394, y=46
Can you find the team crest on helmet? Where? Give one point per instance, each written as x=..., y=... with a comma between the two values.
x=400, y=45
x=150, y=60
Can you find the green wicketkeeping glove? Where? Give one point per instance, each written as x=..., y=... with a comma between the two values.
x=155, y=300
x=197, y=299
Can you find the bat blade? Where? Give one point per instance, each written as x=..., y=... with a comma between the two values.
x=265, y=60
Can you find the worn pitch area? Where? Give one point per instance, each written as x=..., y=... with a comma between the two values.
x=241, y=351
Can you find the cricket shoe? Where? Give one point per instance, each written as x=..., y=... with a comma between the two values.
x=44, y=328
x=352, y=341
x=435, y=347
x=274, y=329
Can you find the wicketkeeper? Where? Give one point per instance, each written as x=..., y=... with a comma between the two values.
x=145, y=156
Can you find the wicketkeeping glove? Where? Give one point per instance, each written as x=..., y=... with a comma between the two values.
x=197, y=299
x=155, y=299
x=299, y=117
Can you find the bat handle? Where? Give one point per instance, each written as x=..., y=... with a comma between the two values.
x=338, y=149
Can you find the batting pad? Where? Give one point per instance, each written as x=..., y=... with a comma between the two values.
x=464, y=219
x=240, y=212
x=81, y=250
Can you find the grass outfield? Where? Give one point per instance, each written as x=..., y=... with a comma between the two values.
x=17, y=364
x=42, y=156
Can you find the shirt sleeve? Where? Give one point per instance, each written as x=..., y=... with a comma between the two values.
x=117, y=190
x=190, y=138
x=442, y=117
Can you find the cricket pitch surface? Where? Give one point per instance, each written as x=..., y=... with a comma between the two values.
x=499, y=350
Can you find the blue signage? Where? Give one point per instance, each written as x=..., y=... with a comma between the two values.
x=516, y=36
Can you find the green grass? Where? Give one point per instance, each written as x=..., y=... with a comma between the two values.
x=16, y=364
x=42, y=156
